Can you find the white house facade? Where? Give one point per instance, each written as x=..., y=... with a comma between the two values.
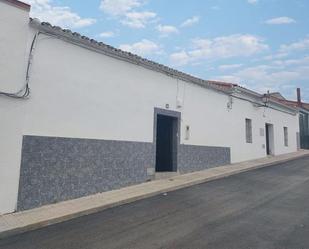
x=79, y=117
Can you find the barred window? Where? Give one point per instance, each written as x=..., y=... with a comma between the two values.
x=248, y=130
x=286, y=136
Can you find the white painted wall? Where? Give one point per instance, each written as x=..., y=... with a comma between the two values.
x=79, y=93
x=14, y=26
x=212, y=124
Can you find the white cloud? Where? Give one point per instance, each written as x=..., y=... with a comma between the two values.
x=284, y=69
x=229, y=66
x=292, y=62
x=119, y=7
x=107, y=34
x=265, y=77
x=215, y=7
x=126, y=12
x=253, y=1
x=143, y=48
x=279, y=55
x=180, y=58
x=166, y=30
x=57, y=15
x=190, y=22
x=296, y=46
x=237, y=45
x=138, y=19
x=280, y=20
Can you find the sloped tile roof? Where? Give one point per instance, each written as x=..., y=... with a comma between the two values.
x=292, y=103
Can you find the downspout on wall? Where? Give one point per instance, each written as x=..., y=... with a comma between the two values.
x=299, y=101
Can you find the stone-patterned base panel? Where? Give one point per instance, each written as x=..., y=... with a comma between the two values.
x=55, y=169
x=194, y=158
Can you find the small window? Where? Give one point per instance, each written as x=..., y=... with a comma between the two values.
x=248, y=130
x=286, y=136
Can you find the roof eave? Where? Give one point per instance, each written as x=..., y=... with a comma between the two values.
x=259, y=97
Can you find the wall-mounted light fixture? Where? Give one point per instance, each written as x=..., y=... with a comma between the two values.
x=230, y=103
x=266, y=98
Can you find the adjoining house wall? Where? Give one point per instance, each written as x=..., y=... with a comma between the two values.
x=101, y=111
x=213, y=124
x=14, y=26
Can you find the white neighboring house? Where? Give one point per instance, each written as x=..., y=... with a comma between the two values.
x=98, y=118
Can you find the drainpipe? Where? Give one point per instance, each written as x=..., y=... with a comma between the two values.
x=299, y=103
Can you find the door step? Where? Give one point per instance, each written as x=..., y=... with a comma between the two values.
x=165, y=175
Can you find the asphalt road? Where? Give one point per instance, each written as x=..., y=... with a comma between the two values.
x=264, y=208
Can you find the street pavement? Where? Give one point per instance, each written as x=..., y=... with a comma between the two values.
x=263, y=208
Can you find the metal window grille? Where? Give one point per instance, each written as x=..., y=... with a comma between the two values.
x=286, y=136
x=248, y=130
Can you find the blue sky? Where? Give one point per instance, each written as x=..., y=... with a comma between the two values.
x=259, y=44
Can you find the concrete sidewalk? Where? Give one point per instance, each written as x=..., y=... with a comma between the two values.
x=16, y=223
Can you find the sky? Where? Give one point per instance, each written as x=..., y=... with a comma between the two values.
x=259, y=44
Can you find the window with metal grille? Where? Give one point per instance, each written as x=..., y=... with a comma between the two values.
x=248, y=130
x=286, y=136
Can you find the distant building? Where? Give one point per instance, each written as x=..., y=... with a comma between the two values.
x=79, y=117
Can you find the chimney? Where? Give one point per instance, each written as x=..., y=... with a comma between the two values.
x=299, y=97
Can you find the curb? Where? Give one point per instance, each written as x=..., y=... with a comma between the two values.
x=99, y=208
